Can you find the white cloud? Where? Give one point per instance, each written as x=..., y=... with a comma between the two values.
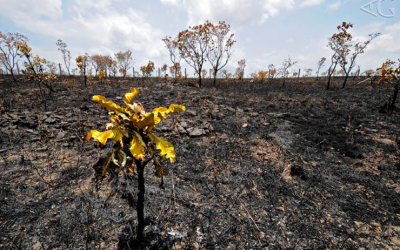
x=335, y=6
x=93, y=27
x=237, y=13
x=22, y=11
x=307, y=3
x=31, y=15
x=83, y=5
x=387, y=44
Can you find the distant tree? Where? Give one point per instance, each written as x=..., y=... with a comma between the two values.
x=340, y=72
x=9, y=51
x=368, y=72
x=320, y=64
x=308, y=72
x=124, y=61
x=240, y=70
x=261, y=76
x=82, y=62
x=99, y=63
x=287, y=63
x=224, y=73
x=193, y=45
x=62, y=46
x=346, y=50
x=174, y=54
x=372, y=75
x=203, y=73
x=220, y=44
x=111, y=65
x=122, y=71
x=52, y=67
x=390, y=74
x=164, y=69
x=148, y=69
x=102, y=74
x=271, y=71
x=175, y=70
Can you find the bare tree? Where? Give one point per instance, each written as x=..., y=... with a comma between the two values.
x=220, y=45
x=309, y=72
x=175, y=70
x=83, y=63
x=346, y=50
x=52, y=67
x=320, y=64
x=240, y=70
x=287, y=63
x=124, y=61
x=66, y=54
x=193, y=46
x=172, y=45
x=99, y=63
x=9, y=50
x=224, y=73
x=164, y=70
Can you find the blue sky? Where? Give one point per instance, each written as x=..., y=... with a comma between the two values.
x=266, y=31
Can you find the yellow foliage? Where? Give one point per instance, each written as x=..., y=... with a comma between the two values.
x=133, y=125
x=102, y=74
x=390, y=74
x=166, y=148
x=260, y=76
x=147, y=70
x=24, y=48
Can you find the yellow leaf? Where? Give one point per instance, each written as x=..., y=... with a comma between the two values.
x=108, y=104
x=117, y=135
x=100, y=137
x=148, y=121
x=166, y=148
x=130, y=96
x=137, y=149
x=164, y=112
x=174, y=108
x=159, y=113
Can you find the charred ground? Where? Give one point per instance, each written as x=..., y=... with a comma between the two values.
x=259, y=166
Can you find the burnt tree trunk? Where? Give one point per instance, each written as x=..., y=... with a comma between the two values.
x=84, y=74
x=199, y=80
x=345, y=81
x=215, y=79
x=13, y=76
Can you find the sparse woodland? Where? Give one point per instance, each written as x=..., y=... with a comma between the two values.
x=105, y=157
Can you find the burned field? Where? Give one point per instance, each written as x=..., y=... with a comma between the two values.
x=259, y=166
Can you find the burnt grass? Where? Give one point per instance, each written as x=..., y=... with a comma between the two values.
x=293, y=167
